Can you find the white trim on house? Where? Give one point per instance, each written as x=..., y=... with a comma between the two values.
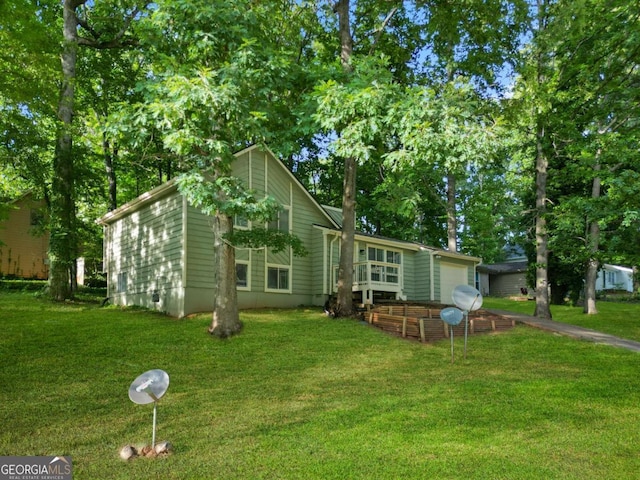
x=272, y=266
x=185, y=243
x=247, y=263
x=432, y=275
x=138, y=202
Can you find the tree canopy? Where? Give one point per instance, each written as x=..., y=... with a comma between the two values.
x=473, y=125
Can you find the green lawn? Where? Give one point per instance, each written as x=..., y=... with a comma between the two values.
x=621, y=319
x=301, y=396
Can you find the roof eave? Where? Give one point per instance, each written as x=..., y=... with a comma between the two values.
x=448, y=254
x=136, y=203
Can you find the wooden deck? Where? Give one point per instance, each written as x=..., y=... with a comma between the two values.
x=423, y=322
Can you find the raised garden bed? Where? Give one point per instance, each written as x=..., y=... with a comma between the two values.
x=423, y=322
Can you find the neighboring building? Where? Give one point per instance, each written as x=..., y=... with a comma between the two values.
x=509, y=278
x=503, y=279
x=157, y=252
x=614, y=277
x=23, y=243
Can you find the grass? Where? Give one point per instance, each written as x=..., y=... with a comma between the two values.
x=616, y=318
x=300, y=395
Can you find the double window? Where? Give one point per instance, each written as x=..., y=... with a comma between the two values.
x=281, y=222
x=386, y=256
x=278, y=278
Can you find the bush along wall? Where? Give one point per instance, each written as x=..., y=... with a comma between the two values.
x=26, y=285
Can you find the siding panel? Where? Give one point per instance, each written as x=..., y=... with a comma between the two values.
x=146, y=246
x=422, y=277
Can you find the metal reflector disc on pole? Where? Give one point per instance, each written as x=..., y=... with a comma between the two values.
x=149, y=387
x=466, y=298
x=451, y=315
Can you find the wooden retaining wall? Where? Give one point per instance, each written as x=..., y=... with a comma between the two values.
x=423, y=323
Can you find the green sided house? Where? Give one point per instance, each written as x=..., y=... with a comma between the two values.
x=157, y=252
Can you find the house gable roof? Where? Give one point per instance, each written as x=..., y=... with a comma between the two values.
x=294, y=179
x=171, y=186
x=336, y=214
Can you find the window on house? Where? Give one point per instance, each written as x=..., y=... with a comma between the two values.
x=376, y=273
x=240, y=222
x=278, y=278
x=37, y=218
x=281, y=223
x=122, y=282
x=376, y=254
x=242, y=275
x=392, y=275
x=382, y=255
x=394, y=257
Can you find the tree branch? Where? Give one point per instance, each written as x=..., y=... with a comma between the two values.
x=381, y=29
x=82, y=21
x=117, y=41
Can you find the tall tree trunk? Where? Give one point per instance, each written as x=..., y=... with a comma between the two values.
x=63, y=239
x=452, y=219
x=344, y=30
x=543, y=309
x=452, y=223
x=109, y=166
x=594, y=245
x=226, y=317
x=344, y=302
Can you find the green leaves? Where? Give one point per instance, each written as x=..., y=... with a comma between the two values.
x=579, y=91
x=276, y=240
x=357, y=109
x=227, y=195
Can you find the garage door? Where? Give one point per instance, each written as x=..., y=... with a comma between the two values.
x=451, y=275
